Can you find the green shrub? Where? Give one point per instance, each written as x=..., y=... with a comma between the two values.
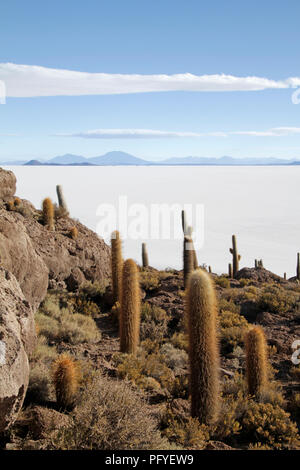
x=277, y=300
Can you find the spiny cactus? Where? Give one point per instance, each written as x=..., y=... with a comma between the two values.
x=130, y=308
x=74, y=233
x=116, y=266
x=209, y=269
x=230, y=270
x=284, y=276
x=61, y=200
x=235, y=257
x=298, y=267
x=48, y=213
x=183, y=222
x=256, y=361
x=66, y=380
x=201, y=313
x=256, y=264
x=188, y=258
x=145, y=259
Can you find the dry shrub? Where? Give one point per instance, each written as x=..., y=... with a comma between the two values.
x=149, y=280
x=184, y=431
x=154, y=322
x=110, y=416
x=222, y=282
x=233, y=328
x=60, y=325
x=39, y=387
x=277, y=300
x=269, y=425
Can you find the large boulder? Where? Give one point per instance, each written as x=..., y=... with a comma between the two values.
x=7, y=184
x=72, y=261
x=18, y=255
x=17, y=340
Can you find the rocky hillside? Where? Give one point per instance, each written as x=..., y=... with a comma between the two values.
x=32, y=260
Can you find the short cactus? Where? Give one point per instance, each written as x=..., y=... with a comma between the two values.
x=74, y=233
x=201, y=314
x=130, y=308
x=145, y=259
x=235, y=257
x=66, y=381
x=188, y=259
x=256, y=361
x=230, y=270
x=48, y=213
x=116, y=266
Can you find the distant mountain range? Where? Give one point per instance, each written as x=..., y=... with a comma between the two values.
x=121, y=158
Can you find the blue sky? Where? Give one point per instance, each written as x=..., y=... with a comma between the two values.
x=239, y=39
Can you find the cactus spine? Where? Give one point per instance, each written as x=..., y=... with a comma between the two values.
x=66, y=381
x=298, y=267
x=116, y=265
x=230, y=270
x=201, y=312
x=130, y=309
x=61, y=199
x=188, y=259
x=48, y=213
x=235, y=256
x=145, y=258
x=256, y=361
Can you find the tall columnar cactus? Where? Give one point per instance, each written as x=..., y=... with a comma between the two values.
x=61, y=199
x=256, y=263
x=66, y=380
x=235, y=256
x=188, y=259
x=183, y=222
x=145, y=258
x=256, y=361
x=284, y=276
x=48, y=213
x=230, y=270
x=201, y=313
x=298, y=266
x=209, y=269
x=130, y=309
x=116, y=266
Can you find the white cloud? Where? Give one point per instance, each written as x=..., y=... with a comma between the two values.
x=274, y=132
x=137, y=134
x=157, y=134
x=33, y=81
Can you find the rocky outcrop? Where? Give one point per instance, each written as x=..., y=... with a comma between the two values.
x=258, y=274
x=87, y=258
x=17, y=340
x=18, y=255
x=32, y=258
x=7, y=184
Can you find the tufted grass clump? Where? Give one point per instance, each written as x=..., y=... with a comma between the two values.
x=61, y=324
